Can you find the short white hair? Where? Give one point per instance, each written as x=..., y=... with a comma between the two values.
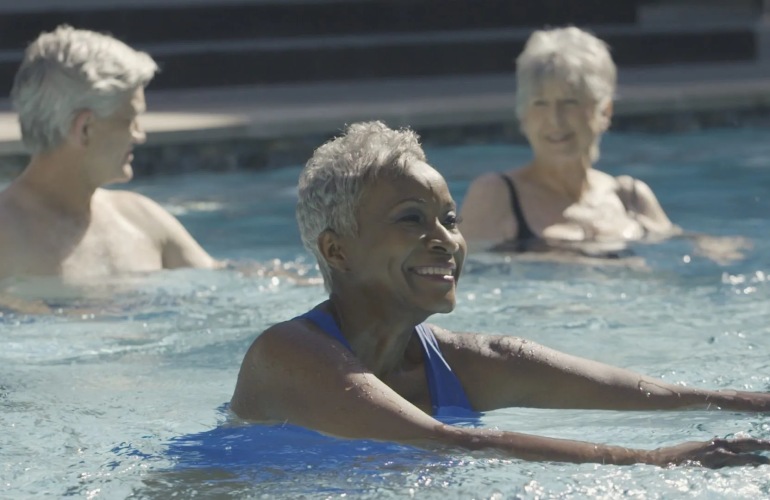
x=70, y=70
x=570, y=55
x=331, y=184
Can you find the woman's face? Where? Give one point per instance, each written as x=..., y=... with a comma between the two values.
x=561, y=123
x=408, y=249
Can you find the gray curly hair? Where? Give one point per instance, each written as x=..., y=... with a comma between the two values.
x=331, y=184
x=570, y=55
x=69, y=70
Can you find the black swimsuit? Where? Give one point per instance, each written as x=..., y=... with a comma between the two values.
x=527, y=241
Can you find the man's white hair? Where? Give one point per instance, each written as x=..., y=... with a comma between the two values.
x=70, y=70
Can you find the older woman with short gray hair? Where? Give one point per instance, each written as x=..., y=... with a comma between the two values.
x=566, y=81
x=365, y=363
x=332, y=182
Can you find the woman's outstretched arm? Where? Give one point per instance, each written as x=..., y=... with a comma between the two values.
x=294, y=375
x=500, y=371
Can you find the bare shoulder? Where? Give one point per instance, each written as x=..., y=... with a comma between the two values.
x=491, y=181
x=486, y=217
x=625, y=182
x=296, y=345
x=476, y=344
x=633, y=187
x=288, y=358
x=292, y=340
x=130, y=203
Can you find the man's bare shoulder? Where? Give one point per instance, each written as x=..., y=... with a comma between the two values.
x=128, y=202
x=142, y=211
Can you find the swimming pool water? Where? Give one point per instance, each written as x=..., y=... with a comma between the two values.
x=119, y=394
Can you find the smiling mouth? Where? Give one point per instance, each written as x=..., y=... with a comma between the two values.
x=556, y=139
x=438, y=273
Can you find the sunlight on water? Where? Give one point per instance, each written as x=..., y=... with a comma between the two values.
x=118, y=390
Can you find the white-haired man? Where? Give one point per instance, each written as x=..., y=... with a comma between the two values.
x=79, y=94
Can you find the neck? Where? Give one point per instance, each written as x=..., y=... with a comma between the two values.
x=570, y=180
x=378, y=334
x=57, y=182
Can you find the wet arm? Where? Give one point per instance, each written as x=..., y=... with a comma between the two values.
x=503, y=371
x=294, y=378
x=639, y=199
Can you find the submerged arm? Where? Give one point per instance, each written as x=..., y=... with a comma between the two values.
x=639, y=199
x=296, y=376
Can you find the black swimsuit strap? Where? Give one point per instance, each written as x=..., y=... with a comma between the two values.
x=524, y=231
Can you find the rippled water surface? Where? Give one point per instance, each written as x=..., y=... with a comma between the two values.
x=119, y=393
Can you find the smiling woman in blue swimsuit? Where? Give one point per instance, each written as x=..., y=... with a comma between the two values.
x=364, y=364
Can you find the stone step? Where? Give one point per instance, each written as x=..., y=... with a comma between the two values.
x=308, y=59
x=252, y=42
x=224, y=20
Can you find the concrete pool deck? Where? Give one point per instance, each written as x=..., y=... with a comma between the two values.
x=195, y=118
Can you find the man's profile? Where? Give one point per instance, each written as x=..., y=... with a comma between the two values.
x=79, y=95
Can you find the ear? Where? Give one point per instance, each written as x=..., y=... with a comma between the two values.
x=605, y=114
x=81, y=128
x=331, y=247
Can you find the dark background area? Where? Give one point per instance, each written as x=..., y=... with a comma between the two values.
x=211, y=44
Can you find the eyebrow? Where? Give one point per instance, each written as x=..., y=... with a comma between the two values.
x=422, y=201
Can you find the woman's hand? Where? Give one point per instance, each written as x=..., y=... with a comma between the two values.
x=723, y=250
x=713, y=454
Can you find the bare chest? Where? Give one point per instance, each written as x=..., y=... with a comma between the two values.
x=599, y=215
x=411, y=383
x=604, y=220
x=108, y=244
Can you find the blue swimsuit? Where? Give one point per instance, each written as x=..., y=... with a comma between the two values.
x=443, y=385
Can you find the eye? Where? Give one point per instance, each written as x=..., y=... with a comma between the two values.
x=539, y=102
x=412, y=217
x=451, y=220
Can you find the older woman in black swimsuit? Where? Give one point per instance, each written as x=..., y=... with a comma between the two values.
x=364, y=363
x=566, y=80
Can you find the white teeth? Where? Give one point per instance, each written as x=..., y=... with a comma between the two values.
x=440, y=271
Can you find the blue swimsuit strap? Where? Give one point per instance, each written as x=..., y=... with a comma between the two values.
x=326, y=322
x=443, y=385
x=445, y=388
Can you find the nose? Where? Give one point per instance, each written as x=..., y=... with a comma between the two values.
x=138, y=136
x=444, y=240
x=556, y=114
